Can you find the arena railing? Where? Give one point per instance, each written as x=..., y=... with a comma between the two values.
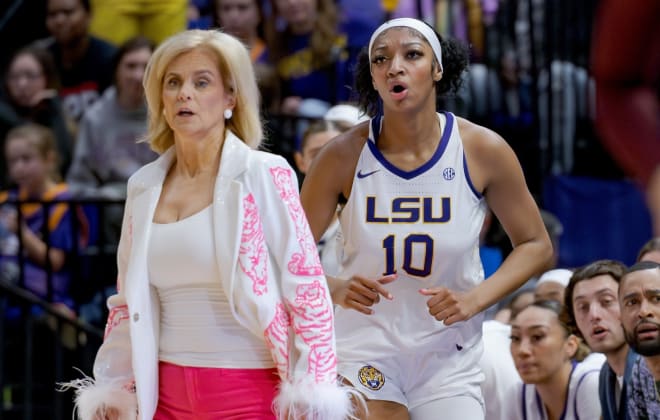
x=42, y=344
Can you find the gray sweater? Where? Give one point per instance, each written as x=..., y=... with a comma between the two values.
x=106, y=152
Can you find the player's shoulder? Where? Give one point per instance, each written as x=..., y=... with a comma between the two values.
x=342, y=153
x=349, y=143
x=481, y=144
x=475, y=134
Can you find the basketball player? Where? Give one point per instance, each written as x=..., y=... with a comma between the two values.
x=414, y=185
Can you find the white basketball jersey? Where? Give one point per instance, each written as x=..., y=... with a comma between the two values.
x=422, y=224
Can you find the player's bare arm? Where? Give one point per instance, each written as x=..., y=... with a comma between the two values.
x=496, y=172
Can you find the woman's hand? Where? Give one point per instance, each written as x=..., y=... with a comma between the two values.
x=360, y=293
x=449, y=306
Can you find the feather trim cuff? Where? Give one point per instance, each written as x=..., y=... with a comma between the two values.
x=317, y=402
x=94, y=400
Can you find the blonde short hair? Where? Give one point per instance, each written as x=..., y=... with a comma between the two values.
x=237, y=73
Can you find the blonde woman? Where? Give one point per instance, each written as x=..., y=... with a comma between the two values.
x=220, y=313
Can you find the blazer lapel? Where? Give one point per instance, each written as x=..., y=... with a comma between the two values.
x=149, y=187
x=145, y=191
x=227, y=209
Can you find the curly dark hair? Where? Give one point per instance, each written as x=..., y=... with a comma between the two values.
x=455, y=61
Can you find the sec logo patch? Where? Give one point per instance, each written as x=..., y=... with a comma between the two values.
x=371, y=378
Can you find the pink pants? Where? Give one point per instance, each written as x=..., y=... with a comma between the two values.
x=193, y=393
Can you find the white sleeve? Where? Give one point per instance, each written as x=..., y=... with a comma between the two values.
x=512, y=402
x=309, y=387
x=500, y=374
x=586, y=402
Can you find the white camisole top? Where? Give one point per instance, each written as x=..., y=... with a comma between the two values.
x=197, y=327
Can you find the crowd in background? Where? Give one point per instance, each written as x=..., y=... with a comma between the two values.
x=72, y=112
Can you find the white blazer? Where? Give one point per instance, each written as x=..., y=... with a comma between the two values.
x=274, y=283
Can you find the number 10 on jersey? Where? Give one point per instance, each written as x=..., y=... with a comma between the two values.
x=417, y=252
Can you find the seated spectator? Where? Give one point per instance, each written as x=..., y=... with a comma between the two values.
x=107, y=151
x=244, y=20
x=547, y=356
x=31, y=84
x=44, y=233
x=318, y=134
x=344, y=116
x=313, y=52
x=593, y=308
x=650, y=251
x=83, y=62
x=551, y=285
x=518, y=301
x=640, y=311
